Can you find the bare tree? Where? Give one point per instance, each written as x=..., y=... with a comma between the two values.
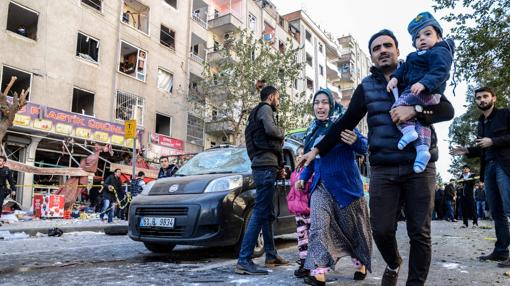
x=9, y=108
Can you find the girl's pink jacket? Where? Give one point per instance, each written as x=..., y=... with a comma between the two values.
x=298, y=201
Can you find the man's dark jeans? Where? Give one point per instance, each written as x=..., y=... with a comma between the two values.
x=3, y=195
x=262, y=216
x=497, y=192
x=392, y=187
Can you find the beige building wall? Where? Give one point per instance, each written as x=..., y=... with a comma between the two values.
x=57, y=70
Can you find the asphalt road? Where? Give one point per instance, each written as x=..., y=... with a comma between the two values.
x=88, y=258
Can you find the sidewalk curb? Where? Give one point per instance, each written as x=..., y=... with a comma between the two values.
x=32, y=231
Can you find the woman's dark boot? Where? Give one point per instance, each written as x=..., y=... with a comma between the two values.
x=301, y=272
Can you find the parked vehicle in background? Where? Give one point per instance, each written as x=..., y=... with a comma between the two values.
x=208, y=202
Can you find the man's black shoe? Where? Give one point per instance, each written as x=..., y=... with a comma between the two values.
x=310, y=280
x=494, y=257
x=504, y=264
x=390, y=277
x=250, y=269
x=278, y=261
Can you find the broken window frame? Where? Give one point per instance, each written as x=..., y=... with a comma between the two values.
x=141, y=57
x=308, y=36
x=309, y=63
x=168, y=45
x=97, y=46
x=252, y=21
x=130, y=102
x=175, y=7
x=194, y=126
x=93, y=5
x=93, y=101
x=34, y=38
x=126, y=18
x=172, y=80
x=170, y=119
x=14, y=86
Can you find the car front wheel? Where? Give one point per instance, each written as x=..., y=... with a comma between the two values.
x=159, y=247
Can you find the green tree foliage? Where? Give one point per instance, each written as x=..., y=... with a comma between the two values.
x=229, y=80
x=482, y=56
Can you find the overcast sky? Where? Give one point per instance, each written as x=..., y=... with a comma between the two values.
x=363, y=18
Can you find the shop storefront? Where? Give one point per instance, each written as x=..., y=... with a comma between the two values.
x=45, y=137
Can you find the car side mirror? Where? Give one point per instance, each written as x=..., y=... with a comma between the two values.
x=288, y=172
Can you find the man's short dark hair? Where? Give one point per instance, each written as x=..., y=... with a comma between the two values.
x=485, y=89
x=141, y=173
x=115, y=171
x=466, y=166
x=267, y=91
x=383, y=32
x=3, y=157
x=163, y=157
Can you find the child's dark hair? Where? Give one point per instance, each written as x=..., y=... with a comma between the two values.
x=3, y=158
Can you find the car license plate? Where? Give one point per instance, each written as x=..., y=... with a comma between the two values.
x=166, y=222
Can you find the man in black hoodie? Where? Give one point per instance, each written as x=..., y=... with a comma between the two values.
x=112, y=184
x=264, y=141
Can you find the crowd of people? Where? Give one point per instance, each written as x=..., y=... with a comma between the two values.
x=401, y=102
x=462, y=199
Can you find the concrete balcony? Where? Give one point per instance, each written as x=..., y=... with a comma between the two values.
x=347, y=76
x=221, y=24
x=196, y=58
x=220, y=127
x=201, y=22
x=332, y=71
x=219, y=55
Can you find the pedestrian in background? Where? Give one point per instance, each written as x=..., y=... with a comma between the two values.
x=449, y=196
x=467, y=183
x=167, y=169
x=7, y=184
x=264, y=143
x=112, y=184
x=493, y=148
x=480, y=200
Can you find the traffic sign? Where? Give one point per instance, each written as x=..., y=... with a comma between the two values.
x=130, y=129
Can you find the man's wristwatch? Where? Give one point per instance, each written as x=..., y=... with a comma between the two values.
x=418, y=109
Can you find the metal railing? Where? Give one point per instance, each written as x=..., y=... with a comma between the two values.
x=199, y=20
x=196, y=58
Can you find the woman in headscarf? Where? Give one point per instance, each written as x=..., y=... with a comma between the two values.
x=339, y=214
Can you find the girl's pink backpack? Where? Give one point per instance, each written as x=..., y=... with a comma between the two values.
x=298, y=201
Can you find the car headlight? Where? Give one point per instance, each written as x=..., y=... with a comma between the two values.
x=224, y=184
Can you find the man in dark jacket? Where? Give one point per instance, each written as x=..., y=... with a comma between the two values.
x=493, y=148
x=5, y=178
x=467, y=183
x=449, y=195
x=264, y=140
x=112, y=184
x=393, y=182
x=167, y=169
x=480, y=200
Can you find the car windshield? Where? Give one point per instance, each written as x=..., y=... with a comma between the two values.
x=217, y=162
